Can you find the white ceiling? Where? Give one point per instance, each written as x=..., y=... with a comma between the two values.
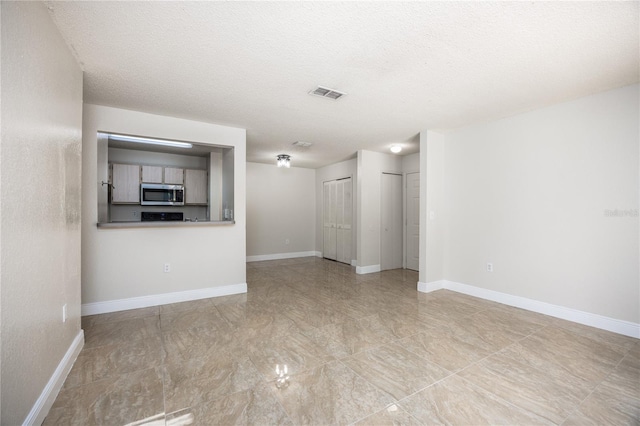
x=406, y=67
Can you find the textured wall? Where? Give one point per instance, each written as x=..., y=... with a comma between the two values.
x=530, y=194
x=126, y=263
x=281, y=205
x=41, y=167
x=371, y=165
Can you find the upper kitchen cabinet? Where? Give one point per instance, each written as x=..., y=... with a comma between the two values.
x=173, y=176
x=159, y=174
x=196, y=186
x=125, y=181
x=151, y=174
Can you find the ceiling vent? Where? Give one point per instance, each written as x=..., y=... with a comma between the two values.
x=302, y=144
x=325, y=92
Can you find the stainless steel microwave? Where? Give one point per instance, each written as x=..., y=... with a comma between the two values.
x=153, y=194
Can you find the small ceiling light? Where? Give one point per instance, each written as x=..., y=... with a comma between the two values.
x=284, y=160
x=136, y=139
x=395, y=149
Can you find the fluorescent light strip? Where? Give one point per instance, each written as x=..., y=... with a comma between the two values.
x=136, y=139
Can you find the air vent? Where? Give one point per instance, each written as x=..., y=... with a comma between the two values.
x=302, y=144
x=325, y=92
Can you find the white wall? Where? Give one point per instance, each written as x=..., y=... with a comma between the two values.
x=335, y=171
x=411, y=163
x=432, y=209
x=40, y=210
x=371, y=165
x=280, y=206
x=127, y=263
x=529, y=194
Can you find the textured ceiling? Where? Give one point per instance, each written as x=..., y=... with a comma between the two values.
x=405, y=66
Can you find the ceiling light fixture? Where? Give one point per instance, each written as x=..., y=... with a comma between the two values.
x=395, y=149
x=136, y=139
x=284, y=160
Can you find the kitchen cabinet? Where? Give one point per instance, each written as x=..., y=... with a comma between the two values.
x=173, y=176
x=195, y=186
x=151, y=174
x=125, y=180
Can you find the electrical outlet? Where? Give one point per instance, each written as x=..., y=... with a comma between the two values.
x=489, y=267
x=286, y=241
x=64, y=313
x=167, y=267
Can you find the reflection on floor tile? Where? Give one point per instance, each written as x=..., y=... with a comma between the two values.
x=118, y=400
x=359, y=349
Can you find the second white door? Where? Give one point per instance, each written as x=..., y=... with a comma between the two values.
x=391, y=222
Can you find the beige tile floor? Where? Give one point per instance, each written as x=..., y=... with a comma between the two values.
x=360, y=349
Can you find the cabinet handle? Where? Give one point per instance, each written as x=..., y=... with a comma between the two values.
x=108, y=183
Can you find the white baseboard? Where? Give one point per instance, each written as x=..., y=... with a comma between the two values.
x=277, y=256
x=50, y=392
x=367, y=269
x=354, y=262
x=626, y=328
x=429, y=287
x=161, y=299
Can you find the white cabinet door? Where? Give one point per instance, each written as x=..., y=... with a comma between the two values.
x=173, y=176
x=151, y=174
x=125, y=179
x=195, y=186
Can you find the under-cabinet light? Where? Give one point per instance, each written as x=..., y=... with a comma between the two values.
x=136, y=139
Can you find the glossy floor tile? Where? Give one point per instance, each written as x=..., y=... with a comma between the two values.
x=358, y=349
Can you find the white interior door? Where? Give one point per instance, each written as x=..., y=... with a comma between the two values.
x=413, y=221
x=337, y=217
x=329, y=214
x=343, y=218
x=391, y=222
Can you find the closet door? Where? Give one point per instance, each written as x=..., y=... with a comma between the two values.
x=329, y=218
x=343, y=218
x=391, y=222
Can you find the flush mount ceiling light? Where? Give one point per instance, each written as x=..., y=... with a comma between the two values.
x=395, y=149
x=325, y=92
x=284, y=160
x=136, y=139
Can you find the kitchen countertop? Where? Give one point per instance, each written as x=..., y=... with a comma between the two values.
x=163, y=224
